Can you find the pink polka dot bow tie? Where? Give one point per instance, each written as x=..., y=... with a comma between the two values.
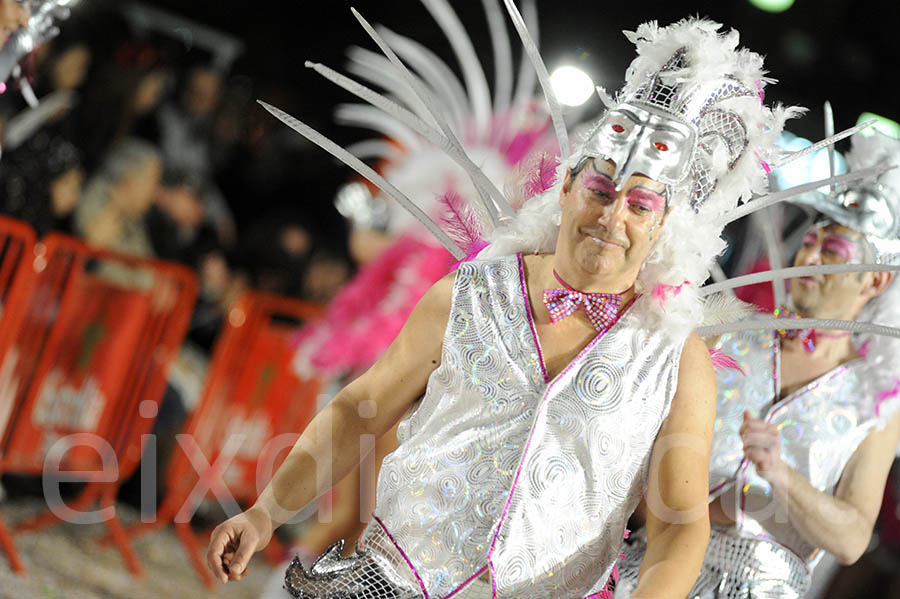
x=601, y=308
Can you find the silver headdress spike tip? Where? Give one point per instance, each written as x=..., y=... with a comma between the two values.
x=829, y=132
x=367, y=172
x=828, y=141
x=605, y=98
x=559, y=125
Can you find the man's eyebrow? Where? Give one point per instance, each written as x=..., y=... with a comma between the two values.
x=656, y=191
x=594, y=170
x=844, y=237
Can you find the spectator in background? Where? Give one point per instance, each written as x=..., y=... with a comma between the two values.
x=185, y=140
x=118, y=197
x=40, y=182
x=277, y=251
x=121, y=102
x=176, y=218
x=324, y=277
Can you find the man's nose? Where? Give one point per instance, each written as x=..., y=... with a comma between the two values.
x=613, y=215
x=810, y=256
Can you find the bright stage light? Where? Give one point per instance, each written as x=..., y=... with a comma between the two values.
x=571, y=85
x=884, y=125
x=772, y=5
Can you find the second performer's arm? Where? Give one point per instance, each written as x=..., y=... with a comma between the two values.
x=677, y=516
x=842, y=523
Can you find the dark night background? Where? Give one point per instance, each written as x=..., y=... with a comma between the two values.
x=842, y=50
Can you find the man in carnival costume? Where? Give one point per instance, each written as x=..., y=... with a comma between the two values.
x=806, y=433
x=559, y=386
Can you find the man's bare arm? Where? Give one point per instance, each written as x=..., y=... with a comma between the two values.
x=329, y=448
x=842, y=523
x=678, y=516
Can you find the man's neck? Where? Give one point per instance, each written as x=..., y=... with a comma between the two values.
x=833, y=347
x=580, y=280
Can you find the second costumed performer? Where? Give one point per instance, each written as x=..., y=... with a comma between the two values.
x=806, y=434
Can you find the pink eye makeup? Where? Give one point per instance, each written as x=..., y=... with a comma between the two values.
x=646, y=199
x=810, y=239
x=599, y=183
x=842, y=247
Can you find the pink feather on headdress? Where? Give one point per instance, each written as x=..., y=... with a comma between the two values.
x=543, y=175
x=532, y=177
x=460, y=221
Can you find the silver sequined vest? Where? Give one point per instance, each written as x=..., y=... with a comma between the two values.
x=821, y=425
x=501, y=472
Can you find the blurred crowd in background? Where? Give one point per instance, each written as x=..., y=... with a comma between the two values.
x=152, y=147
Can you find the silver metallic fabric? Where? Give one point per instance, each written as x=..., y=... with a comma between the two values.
x=503, y=473
x=735, y=567
x=821, y=425
x=361, y=576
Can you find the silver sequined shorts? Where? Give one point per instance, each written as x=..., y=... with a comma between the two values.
x=365, y=575
x=735, y=567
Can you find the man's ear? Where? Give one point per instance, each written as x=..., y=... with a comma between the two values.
x=567, y=182
x=880, y=283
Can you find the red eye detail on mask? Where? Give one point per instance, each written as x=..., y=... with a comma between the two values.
x=661, y=146
x=618, y=128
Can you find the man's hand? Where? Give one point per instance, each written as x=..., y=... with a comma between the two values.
x=762, y=446
x=235, y=541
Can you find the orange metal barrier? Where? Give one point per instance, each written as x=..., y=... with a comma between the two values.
x=17, y=241
x=251, y=397
x=98, y=331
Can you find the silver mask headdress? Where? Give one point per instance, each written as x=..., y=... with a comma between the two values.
x=690, y=114
x=870, y=207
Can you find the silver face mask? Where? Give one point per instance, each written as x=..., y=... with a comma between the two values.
x=643, y=139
